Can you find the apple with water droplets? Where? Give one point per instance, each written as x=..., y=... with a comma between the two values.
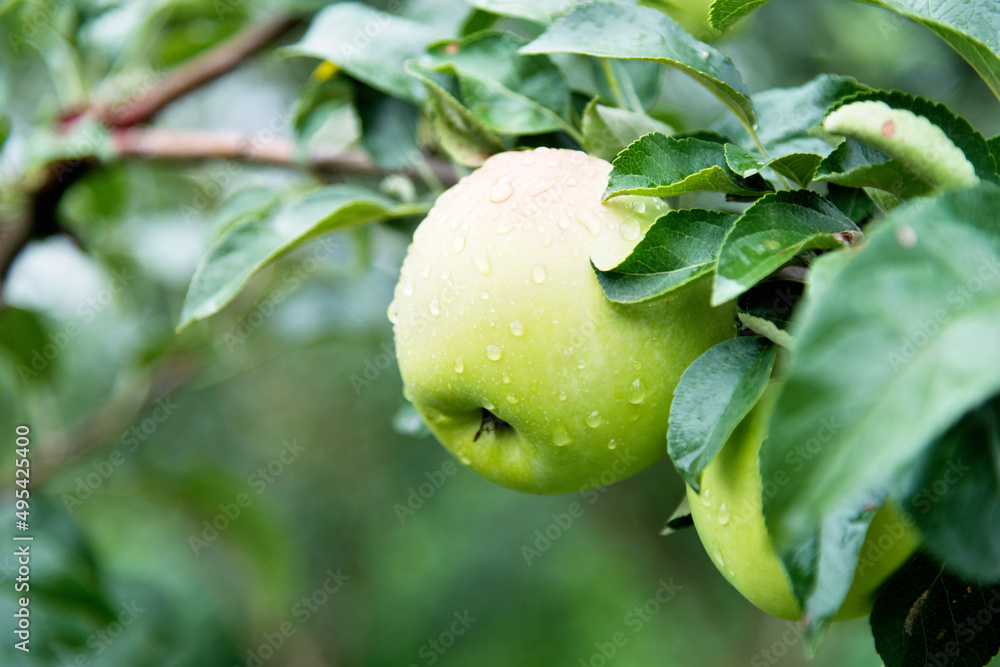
x=507, y=345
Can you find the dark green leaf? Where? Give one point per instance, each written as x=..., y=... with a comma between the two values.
x=715, y=393
x=895, y=342
x=664, y=166
x=608, y=130
x=797, y=166
x=23, y=338
x=680, y=247
x=771, y=232
x=725, y=13
x=971, y=27
x=924, y=616
x=246, y=248
x=956, y=128
x=954, y=495
x=858, y=165
x=611, y=30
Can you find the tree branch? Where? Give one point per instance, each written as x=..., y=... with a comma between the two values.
x=160, y=144
x=40, y=218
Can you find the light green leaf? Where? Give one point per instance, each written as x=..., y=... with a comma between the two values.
x=607, y=131
x=537, y=11
x=971, y=27
x=509, y=93
x=664, y=166
x=370, y=45
x=611, y=30
x=248, y=247
x=680, y=247
x=771, y=232
x=715, y=393
x=797, y=166
x=895, y=342
x=462, y=135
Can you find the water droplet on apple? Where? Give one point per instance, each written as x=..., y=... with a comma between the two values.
x=504, y=227
x=629, y=230
x=488, y=404
x=636, y=393
x=589, y=219
x=502, y=191
x=572, y=182
x=506, y=378
x=493, y=353
x=484, y=294
x=723, y=514
x=482, y=263
x=512, y=399
x=560, y=437
x=612, y=444
x=538, y=273
x=547, y=240
x=393, y=311
x=706, y=497
x=581, y=364
x=639, y=206
x=445, y=274
x=435, y=307
x=564, y=219
x=562, y=395
x=408, y=287
x=717, y=555
x=459, y=242
x=459, y=365
x=427, y=271
x=464, y=460
x=594, y=419
x=517, y=328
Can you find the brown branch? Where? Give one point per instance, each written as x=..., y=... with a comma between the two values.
x=160, y=144
x=40, y=218
x=208, y=66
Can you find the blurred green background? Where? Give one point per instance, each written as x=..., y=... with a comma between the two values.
x=343, y=535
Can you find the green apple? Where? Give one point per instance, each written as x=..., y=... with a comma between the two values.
x=506, y=343
x=691, y=14
x=729, y=519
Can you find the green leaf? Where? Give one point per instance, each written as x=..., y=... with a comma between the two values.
x=462, y=135
x=895, y=342
x=858, y=165
x=797, y=166
x=715, y=393
x=537, y=11
x=680, y=247
x=912, y=141
x=611, y=30
x=23, y=339
x=924, y=616
x=822, y=567
x=955, y=495
x=994, y=146
x=4, y=129
x=664, y=166
x=509, y=93
x=771, y=232
x=788, y=117
x=724, y=13
x=971, y=27
x=370, y=45
x=246, y=248
x=607, y=131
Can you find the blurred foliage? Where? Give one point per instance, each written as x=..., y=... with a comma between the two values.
x=236, y=493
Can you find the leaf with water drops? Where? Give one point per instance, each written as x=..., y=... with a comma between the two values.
x=680, y=247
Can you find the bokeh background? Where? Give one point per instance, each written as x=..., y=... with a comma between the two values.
x=357, y=540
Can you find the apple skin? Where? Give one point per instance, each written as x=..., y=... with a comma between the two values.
x=498, y=307
x=728, y=516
